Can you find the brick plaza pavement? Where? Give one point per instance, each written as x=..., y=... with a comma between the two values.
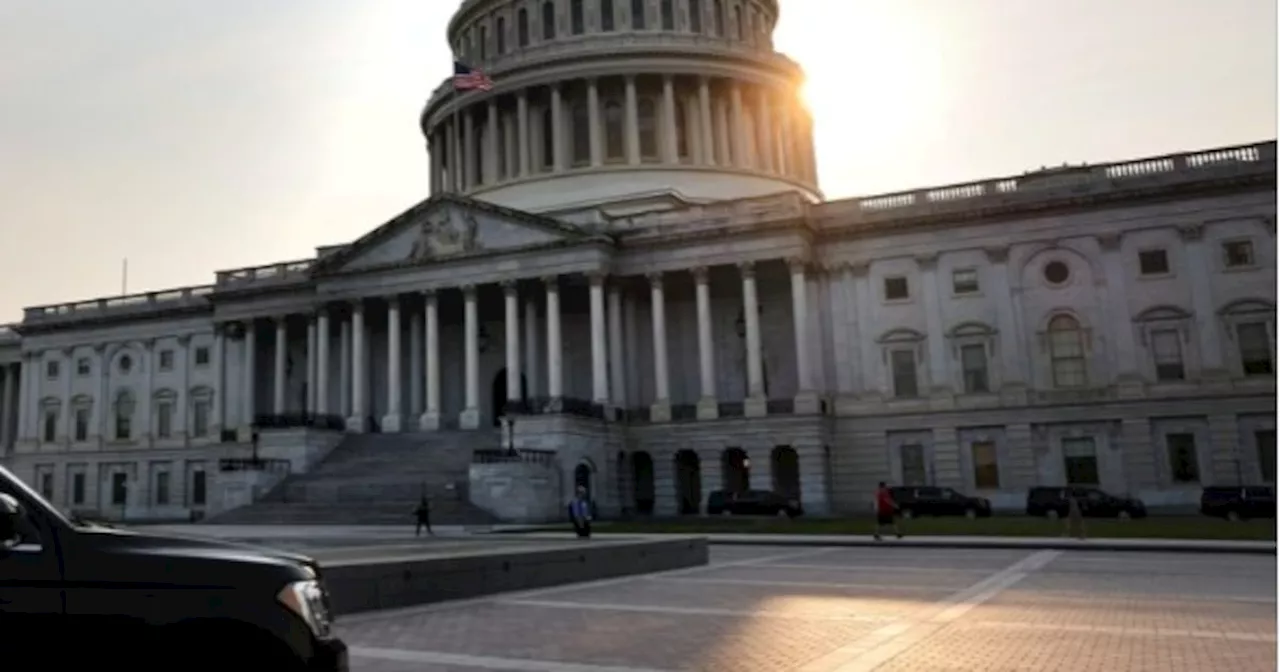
x=757, y=609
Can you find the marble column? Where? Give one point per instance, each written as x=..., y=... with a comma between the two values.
x=416, y=374
x=492, y=148
x=470, y=416
x=344, y=369
x=741, y=157
x=660, y=411
x=1115, y=302
x=312, y=364
x=281, y=360
x=248, y=384
x=531, y=351
x=183, y=410
x=806, y=394
x=555, y=375
x=470, y=173
x=522, y=131
x=632, y=125
x=1012, y=370
x=617, y=376
x=6, y=402
x=358, y=422
x=764, y=131
x=511, y=306
x=430, y=420
x=724, y=152
x=393, y=420
x=593, y=116
x=781, y=139
x=146, y=400
x=1212, y=364
x=756, y=404
x=670, y=144
x=323, y=336
x=706, y=129
x=708, y=403
x=936, y=338
x=599, y=354
x=68, y=373
x=436, y=164
x=217, y=403
x=557, y=129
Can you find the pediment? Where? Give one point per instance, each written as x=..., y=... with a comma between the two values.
x=448, y=227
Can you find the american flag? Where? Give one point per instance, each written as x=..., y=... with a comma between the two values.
x=466, y=78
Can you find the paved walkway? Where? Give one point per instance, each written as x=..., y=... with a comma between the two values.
x=770, y=609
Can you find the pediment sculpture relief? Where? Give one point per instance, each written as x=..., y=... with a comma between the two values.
x=445, y=233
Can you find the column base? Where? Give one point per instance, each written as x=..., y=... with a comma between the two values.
x=392, y=423
x=755, y=407
x=807, y=403
x=214, y=434
x=244, y=434
x=708, y=408
x=660, y=412
x=469, y=419
x=429, y=421
x=357, y=424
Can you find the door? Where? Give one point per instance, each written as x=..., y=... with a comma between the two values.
x=30, y=580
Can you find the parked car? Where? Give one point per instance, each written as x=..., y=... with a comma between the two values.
x=1238, y=502
x=932, y=501
x=1051, y=502
x=75, y=594
x=753, y=503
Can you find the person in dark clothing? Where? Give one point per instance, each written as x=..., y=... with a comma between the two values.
x=423, y=514
x=886, y=511
x=580, y=514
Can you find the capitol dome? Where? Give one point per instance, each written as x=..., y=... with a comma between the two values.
x=625, y=103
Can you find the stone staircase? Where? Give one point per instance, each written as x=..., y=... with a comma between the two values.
x=377, y=479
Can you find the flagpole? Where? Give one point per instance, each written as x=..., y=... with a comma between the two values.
x=124, y=277
x=456, y=166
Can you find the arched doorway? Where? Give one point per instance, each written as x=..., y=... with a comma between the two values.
x=582, y=478
x=735, y=470
x=642, y=481
x=688, y=483
x=498, y=398
x=786, y=471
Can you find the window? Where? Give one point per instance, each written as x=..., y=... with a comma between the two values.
x=914, y=469
x=1066, y=352
x=718, y=18
x=973, y=363
x=548, y=20
x=986, y=467
x=162, y=488
x=737, y=22
x=51, y=370
x=606, y=16
x=581, y=135
x=198, y=488
x=484, y=43
x=77, y=489
x=522, y=28
x=124, y=417
x=83, y=367
x=119, y=489
x=964, y=281
x=668, y=15
x=50, y=425
x=695, y=16
x=548, y=140
x=200, y=419
x=500, y=32
x=903, y=363
x=1056, y=272
x=614, y=145
x=637, y=14
x=46, y=485
x=1153, y=262
x=648, y=129
x=126, y=364
x=164, y=420
x=1080, y=458
x=1166, y=350
x=1183, y=465
x=577, y=17
x=166, y=360
x=202, y=356
x=1265, y=440
x=1255, y=349
x=1237, y=254
x=896, y=289
x=82, y=424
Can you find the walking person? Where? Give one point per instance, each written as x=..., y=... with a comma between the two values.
x=580, y=513
x=423, y=515
x=886, y=511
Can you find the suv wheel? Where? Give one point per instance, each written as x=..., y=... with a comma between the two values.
x=908, y=514
x=1124, y=515
x=1233, y=516
x=783, y=512
x=1051, y=514
x=970, y=513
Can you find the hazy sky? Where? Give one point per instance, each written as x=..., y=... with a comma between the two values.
x=191, y=136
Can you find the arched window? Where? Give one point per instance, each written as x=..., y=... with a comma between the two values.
x=548, y=141
x=1066, y=352
x=719, y=18
x=581, y=134
x=668, y=15
x=637, y=14
x=695, y=16
x=648, y=129
x=484, y=43
x=606, y=16
x=502, y=35
x=522, y=28
x=577, y=17
x=737, y=22
x=615, y=147
x=548, y=20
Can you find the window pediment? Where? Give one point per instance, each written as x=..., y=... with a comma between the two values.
x=1244, y=307
x=904, y=336
x=971, y=329
x=1162, y=314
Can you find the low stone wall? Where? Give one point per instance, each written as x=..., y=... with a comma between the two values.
x=518, y=492
x=367, y=585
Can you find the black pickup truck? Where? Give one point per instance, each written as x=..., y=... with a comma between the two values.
x=74, y=593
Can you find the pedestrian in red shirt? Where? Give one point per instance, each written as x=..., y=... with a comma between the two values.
x=886, y=511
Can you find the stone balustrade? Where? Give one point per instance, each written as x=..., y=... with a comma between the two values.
x=287, y=271
x=130, y=303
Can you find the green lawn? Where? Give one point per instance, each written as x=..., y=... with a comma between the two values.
x=1159, y=527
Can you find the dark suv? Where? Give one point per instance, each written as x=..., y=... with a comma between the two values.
x=932, y=501
x=76, y=594
x=752, y=503
x=1094, y=503
x=1238, y=502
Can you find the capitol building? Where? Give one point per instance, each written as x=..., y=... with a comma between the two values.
x=626, y=277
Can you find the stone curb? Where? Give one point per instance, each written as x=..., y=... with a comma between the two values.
x=1107, y=545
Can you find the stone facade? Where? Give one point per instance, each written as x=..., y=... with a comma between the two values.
x=1112, y=324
